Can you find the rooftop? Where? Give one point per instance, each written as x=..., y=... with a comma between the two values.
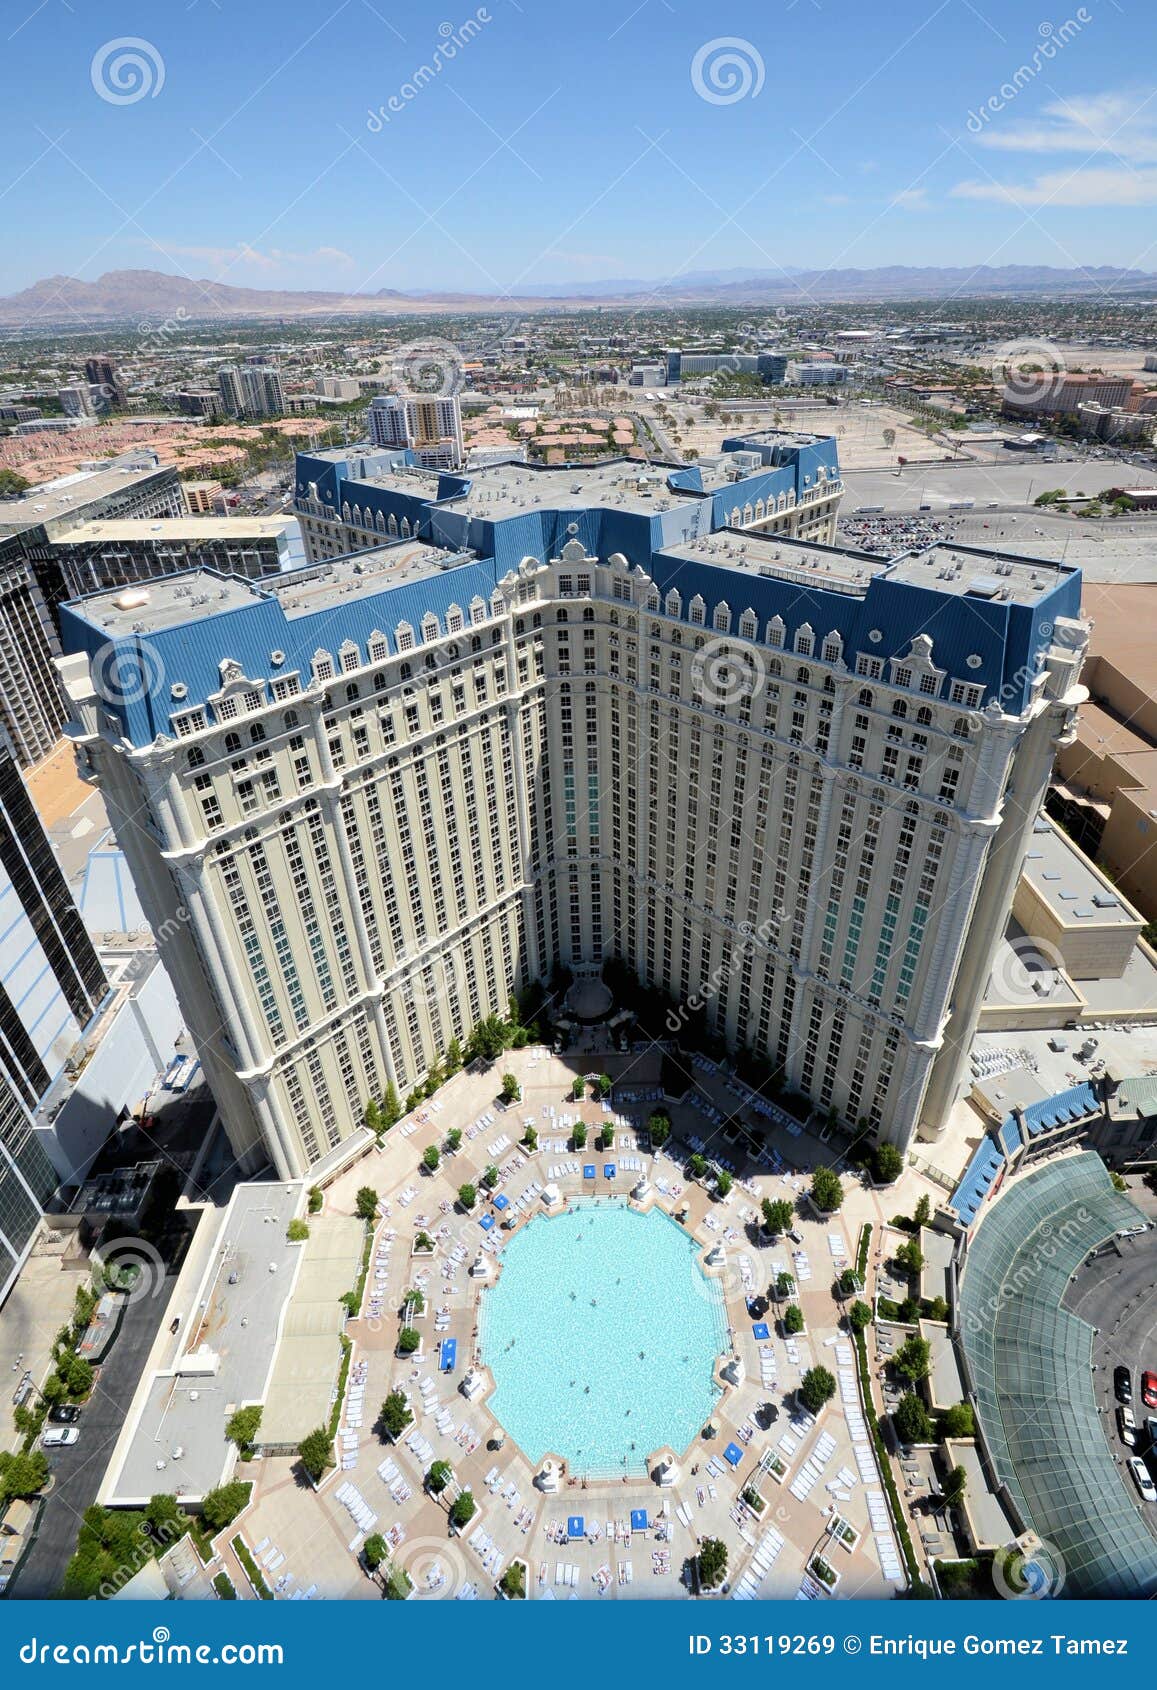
x=66, y=495
x=178, y=528
x=500, y=490
x=1067, y=881
x=840, y=570
x=992, y=575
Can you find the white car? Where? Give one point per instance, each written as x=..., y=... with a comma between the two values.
x=1141, y=1479
x=59, y=1437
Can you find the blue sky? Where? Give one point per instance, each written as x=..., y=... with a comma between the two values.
x=358, y=145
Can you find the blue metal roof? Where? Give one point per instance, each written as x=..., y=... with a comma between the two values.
x=1066, y=1106
x=979, y=1175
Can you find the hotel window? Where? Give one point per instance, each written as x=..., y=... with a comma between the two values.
x=350, y=658
x=189, y=722
x=322, y=666
x=902, y=677
x=404, y=637
x=833, y=649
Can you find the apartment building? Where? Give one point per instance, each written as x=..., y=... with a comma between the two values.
x=366, y=804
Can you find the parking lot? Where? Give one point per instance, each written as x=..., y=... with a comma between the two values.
x=1117, y=1294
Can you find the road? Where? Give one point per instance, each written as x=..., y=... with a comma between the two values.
x=78, y=1471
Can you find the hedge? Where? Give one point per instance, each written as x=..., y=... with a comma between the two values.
x=251, y=1572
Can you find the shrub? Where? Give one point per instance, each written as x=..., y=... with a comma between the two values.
x=454, y=1139
x=530, y=1138
x=910, y=1418
x=711, y=1562
x=431, y=1158
x=453, y=1057
x=367, y=1203
x=22, y=1474
x=859, y=1316
x=723, y=1183
x=848, y=1283
x=816, y=1388
x=605, y=1085
x=467, y=1196
x=223, y=1585
x=887, y=1164
x=784, y=1285
x=697, y=1165
x=936, y=1309
x=826, y=1191
x=912, y=1359
x=396, y=1414
x=955, y=1486
x=375, y=1551
x=579, y=1134
x=397, y=1584
x=438, y=1477
x=578, y=1089
x=297, y=1231
x=490, y=1177
x=793, y=1318
x=77, y=1375
x=408, y=1340
x=316, y=1452
x=423, y=1242
x=221, y=1507
x=316, y=1199
x=464, y=1509
x=252, y=1573
x=511, y=1090
x=241, y=1428
x=923, y=1212
x=910, y=1256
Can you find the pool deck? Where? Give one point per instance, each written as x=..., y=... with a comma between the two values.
x=313, y=1538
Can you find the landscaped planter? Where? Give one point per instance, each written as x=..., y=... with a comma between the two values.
x=517, y=1561
x=754, y=1502
x=842, y=1531
x=778, y=1468
x=422, y=1255
x=824, y=1573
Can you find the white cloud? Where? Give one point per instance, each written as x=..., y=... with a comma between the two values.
x=1093, y=187
x=244, y=256
x=1121, y=123
x=912, y=199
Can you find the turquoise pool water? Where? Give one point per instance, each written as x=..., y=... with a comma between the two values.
x=602, y=1334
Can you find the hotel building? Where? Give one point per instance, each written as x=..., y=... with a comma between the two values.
x=555, y=716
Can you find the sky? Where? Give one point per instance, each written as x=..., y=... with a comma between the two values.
x=369, y=144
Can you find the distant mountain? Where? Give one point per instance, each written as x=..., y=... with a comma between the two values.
x=144, y=295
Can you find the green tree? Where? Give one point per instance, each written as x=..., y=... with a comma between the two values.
x=490, y=1177
x=955, y=1486
x=367, y=1203
x=711, y=1562
x=297, y=1231
x=11, y=484
x=605, y=1085
x=438, y=1477
x=777, y=1214
x=316, y=1452
x=374, y=1551
x=723, y=1183
x=578, y=1088
x=464, y=1509
x=859, y=1316
x=453, y=1056
x=958, y=1421
x=530, y=1138
x=511, y=1090
x=373, y=1118
x=816, y=1388
x=923, y=1211
x=165, y=1519
x=22, y=1473
x=316, y=1199
x=391, y=1108
x=887, y=1164
x=78, y=1375
x=424, y=1243
x=431, y=1158
x=467, y=1196
x=220, y=1507
x=579, y=1134
x=910, y=1256
x=911, y=1360
x=242, y=1426
x=659, y=1129
x=697, y=1164
x=937, y=1309
x=910, y=1418
x=487, y=1040
x=826, y=1191
x=793, y=1318
x=396, y=1414
x=408, y=1340
x=454, y=1140
x=784, y=1284
x=513, y=1582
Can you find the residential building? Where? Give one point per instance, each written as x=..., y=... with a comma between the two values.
x=1062, y=395
x=119, y=553
x=232, y=398
x=261, y=394
x=101, y=372
x=201, y=497
x=430, y=426
x=565, y=724
x=77, y=401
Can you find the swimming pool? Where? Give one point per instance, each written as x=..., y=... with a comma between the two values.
x=602, y=1334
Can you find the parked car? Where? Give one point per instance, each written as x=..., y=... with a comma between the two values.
x=1142, y=1479
x=1127, y=1426
x=64, y=1414
x=1122, y=1384
x=1149, y=1389
x=59, y=1437
x=796, y=1237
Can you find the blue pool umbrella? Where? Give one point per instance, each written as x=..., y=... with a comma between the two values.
x=608, y=1170
x=501, y=1202
x=589, y=1170
x=486, y=1222
x=574, y=1526
x=734, y=1454
x=449, y=1349
x=638, y=1519
x=760, y=1329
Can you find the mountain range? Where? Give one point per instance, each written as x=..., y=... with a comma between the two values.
x=151, y=295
